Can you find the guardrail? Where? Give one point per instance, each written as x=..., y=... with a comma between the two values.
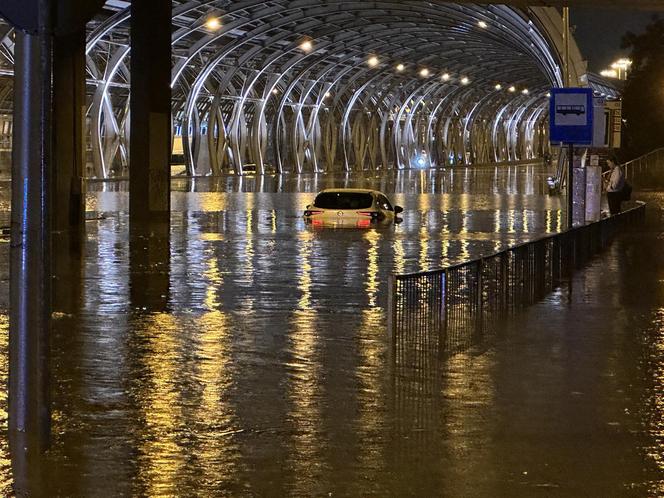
x=450, y=309
x=641, y=165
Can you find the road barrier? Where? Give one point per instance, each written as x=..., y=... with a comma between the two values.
x=446, y=310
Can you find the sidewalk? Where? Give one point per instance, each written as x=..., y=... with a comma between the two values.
x=578, y=379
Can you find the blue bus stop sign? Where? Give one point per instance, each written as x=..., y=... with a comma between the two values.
x=571, y=116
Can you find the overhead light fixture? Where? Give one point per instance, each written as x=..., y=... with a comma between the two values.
x=275, y=91
x=213, y=23
x=464, y=80
x=609, y=73
x=445, y=77
x=525, y=91
x=328, y=95
x=424, y=72
x=512, y=89
x=498, y=86
x=400, y=67
x=306, y=46
x=548, y=95
x=482, y=24
x=372, y=61
x=622, y=64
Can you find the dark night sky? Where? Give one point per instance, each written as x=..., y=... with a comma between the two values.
x=598, y=32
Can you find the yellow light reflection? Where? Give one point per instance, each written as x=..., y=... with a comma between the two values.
x=445, y=250
x=511, y=221
x=6, y=480
x=302, y=390
x=423, y=238
x=372, y=236
x=371, y=408
x=214, y=375
x=211, y=201
x=304, y=272
x=399, y=257
x=212, y=237
x=248, y=267
x=161, y=458
x=214, y=279
x=465, y=204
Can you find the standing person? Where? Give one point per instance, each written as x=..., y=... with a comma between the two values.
x=616, y=183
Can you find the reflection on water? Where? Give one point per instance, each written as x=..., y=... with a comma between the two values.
x=261, y=367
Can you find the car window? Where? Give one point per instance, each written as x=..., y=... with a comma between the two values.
x=383, y=203
x=343, y=200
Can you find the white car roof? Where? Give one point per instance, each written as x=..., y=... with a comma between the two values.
x=351, y=191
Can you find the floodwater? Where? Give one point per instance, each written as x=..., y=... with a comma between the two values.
x=248, y=356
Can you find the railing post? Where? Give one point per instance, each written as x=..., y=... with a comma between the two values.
x=442, y=335
x=479, y=303
x=391, y=310
x=449, y=304
x=503, y=281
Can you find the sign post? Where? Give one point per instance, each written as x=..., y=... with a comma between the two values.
x=571, y=124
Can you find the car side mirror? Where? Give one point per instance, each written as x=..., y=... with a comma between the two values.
x=398, y=209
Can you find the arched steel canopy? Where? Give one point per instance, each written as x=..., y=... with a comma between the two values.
x=245, y=89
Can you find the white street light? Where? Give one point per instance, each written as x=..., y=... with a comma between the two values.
x=213, y=24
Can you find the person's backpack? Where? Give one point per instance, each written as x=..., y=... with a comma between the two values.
x=626, y=192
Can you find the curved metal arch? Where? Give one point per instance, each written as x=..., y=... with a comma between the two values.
x=509, y=33
x=513, y=36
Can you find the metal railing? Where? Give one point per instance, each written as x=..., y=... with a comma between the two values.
x=644, y=164
x=450, y=309
x=642, y=167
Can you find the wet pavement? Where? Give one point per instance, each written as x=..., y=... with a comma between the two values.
x=248, y=357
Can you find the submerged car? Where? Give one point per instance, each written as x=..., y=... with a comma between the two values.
x=346, y=206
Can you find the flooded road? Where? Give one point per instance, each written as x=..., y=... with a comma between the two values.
x=248, y=356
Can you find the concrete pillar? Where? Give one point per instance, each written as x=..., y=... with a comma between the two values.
x=30, y=259
x=150, y=134
x=149, y=268
x=32, y=222
x=67, y=199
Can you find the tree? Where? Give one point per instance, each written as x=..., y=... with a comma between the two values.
x=643, y=97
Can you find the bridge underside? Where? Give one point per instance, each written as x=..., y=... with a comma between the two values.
x=335, y=85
